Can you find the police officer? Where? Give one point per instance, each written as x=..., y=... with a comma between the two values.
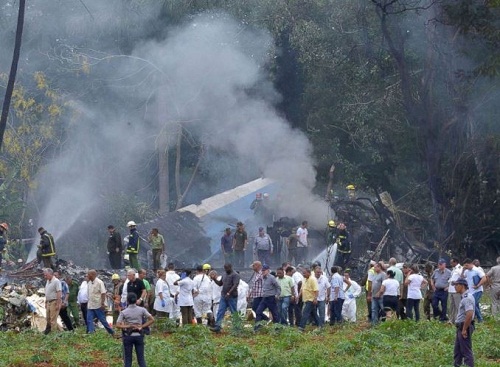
x=465, y=326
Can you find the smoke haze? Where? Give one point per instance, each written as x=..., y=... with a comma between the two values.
x=209, y=76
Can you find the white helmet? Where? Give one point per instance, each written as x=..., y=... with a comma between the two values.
x=131, y=224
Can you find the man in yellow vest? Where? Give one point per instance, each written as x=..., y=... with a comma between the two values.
x=133, y=245
x=47, y=248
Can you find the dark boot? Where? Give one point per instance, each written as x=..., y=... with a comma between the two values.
x=199, y=321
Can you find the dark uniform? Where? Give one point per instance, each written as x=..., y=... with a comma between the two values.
x=463, y=346
x=115, y=250
x=343, y=248
x=47, y=249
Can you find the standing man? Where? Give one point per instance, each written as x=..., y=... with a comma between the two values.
x=73, y=299
x=202, y=293
x=323, y=287
x=133, y=246
x=116, y=296
x=157, y=246
x=287, y=294
x=343, y=246
x=47, y=248
x=302, y=243
x=337, y=296
x=63, y=311
x=240, y=242
x=3, y=241
x=97, y=303
x=115, y=248
x=494, y=279
x=439, y=283
x=291, y=243
x=309, y=293
x=270, y=292
x=226, y=245
x=462, y=353
x=255, y=286
x=53, y=300
x=229, y=294
x=377, y=302
x=455, y=297
x=369, y=278
x=398, y=275
x=475, y=279
x=263, y=247
x=83, y=298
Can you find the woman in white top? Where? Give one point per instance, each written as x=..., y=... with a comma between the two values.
x=163, y=301
x=390, y=291
x=415, y=283
x=184, y=297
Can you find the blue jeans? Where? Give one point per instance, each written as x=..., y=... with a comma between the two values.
x=128, y=344
x=440, y=295
x=413, y=305
x=336, y=311
x=99, y=314
x=283, y=305
x=377, y=309
x=255, y=304
x=269, y=303
x=477, y=310
x=224, y=304
x=307, y=311
x=320, y=311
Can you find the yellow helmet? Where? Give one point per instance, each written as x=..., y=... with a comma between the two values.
x=115, y=277
x=206, y=267
x=350, y=187
x=331, y=223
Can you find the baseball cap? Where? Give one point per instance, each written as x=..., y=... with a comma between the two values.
x=460, y=281
x=261, y=228
x=442, y=261
x=265, y=267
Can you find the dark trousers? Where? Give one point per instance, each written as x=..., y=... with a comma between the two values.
x=402, y=309
x=462, y=353
x=264, y=256
x=413, y=305
x=270, y=304
x=255, y=305
x=63, y=312
x=390, y=302
x=239, y=259
x=369, y=308
x=156, y=258
x=336, y=311
x=342, y=259
x=440, y=296
x=187, y=315
x=115, y=260
x=295, y=313
x=83, y=307
x=129, y=342
x=292, y=255
x=308, y=310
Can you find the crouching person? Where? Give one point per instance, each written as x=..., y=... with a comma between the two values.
x=130, y=321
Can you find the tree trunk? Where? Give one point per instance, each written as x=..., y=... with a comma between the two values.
x=13, y=70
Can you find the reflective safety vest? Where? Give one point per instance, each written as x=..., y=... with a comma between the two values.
x=134, y=242
x=47, y=243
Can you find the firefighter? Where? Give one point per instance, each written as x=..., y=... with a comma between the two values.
x=331, y=235
x=133, y=246
x=343, y=246
x=46, y=248
x=4, y=227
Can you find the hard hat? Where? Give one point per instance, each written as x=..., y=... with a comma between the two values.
x=4, y=226
x=115, y=277
x=266, y=195
x=131, y=224
x=331, y=223
x=350, y=187
x=206, y=267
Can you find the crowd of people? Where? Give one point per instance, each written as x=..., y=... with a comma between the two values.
x=292, y=295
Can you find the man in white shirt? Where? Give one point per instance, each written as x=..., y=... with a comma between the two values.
x=170, y=278
x=323, y=287
x=475, y=280
x=97, y=303
x=302, y=243
x=53, y=299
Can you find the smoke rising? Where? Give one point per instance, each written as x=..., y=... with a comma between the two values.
x=209, y=77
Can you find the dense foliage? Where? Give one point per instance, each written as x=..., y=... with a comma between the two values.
x=401, y=95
